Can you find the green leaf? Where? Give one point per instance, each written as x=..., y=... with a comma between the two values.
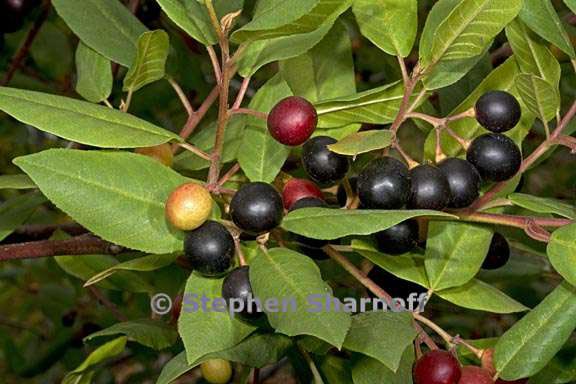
x=571, y=4
x=542, y=18
x=383, y=336
x=329, y=224
x=147, y=332
x=562, y=252
x=16, y=182
x=454, y=253
x=375, y=106
x=480, y=296
x=296, y=279
x=117, y=195
x=390, y=24
x=543, y=205
x=271, y=22
x=140, y=264
x=15, y=211
x=362, y=142
x=204, y=330
x=84, y=372
x=94, y=73
x=266, y=155
x=533, y=341
x=366, y=370
x=150, y=63
x=531, y=54
x=81, y=121
x=539, y=96
x=324, y=72
x=106, y=26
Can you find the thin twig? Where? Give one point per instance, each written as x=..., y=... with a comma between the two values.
x=231, y=172
x=195, y=150
x=215, y=64
x=107, y=303
x=241, y=93
x=181, y=95
x=197, y=116
x=252, y=112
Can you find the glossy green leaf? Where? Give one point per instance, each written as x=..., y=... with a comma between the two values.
x=16, y=182
x=266, y=155
x=539, y=96
x=390, y=24
x=15, y=211
x=533, y=341
x=202, y=329
x=362, y=142
x=480, y=296
x=126, y=194
x=366, y=370
x=81, y=121
x=106, y=26
x=562, y=252
x=532, y=55
x=383, y=336
x=150, y=63
x=83, y=373
x=543, y=205
x=542, y=18
x=297, y=279
x=147, y=332
x=329, y=224
x=94, y=73
x=454, y=253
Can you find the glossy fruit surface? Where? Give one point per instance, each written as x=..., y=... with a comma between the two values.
x=463, y=179
x=13, y=13
x=292, y=121
x=188, y=206
x=296, y=189
x=495, y=156
x=498, y=111
x=309, y=202
x=322, y=165
x=256, y=208
x=237, y=287
x=216, y=371
x=210, y=249
x=475, y=375
x=498, y=253
x=437, y=367
x=429, y=188
x=162, y=153
x=341, y=192
x=398, y=239
x=384, y=184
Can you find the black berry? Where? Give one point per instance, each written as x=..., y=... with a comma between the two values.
x=429, y=188
x=210, y=249
x=495, y=156
x=292, y=121
x=395, y=286
x=13, y=13
x=322, y=165
x=498, y=253
x=463, y=179
x=498, y=111
x=237, y=287
x=384, y=184
x=309, y=202
x=398, y=239
x=256, y=208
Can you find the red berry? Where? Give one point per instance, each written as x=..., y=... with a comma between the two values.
x=488, y=361
x=296, y=189
x=475, y=375
x=437, y=367
x=292, y=121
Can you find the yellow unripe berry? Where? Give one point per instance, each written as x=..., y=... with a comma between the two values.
x=189, y=206
x=216, y=371
x=162, y=153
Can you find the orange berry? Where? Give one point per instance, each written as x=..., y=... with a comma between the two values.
x=189, y=206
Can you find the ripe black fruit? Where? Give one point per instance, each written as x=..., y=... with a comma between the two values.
x=398, y=239
x=210, y=248
x=498, y=253
x=495, y=156
x=395, y=286
x=256, y=208
x=309, y=202
x=498, y=111
x=237, y=286
x=429, y=188
x=463, y=179
x=13, y=13
x=321, y=164
x=384, y=184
